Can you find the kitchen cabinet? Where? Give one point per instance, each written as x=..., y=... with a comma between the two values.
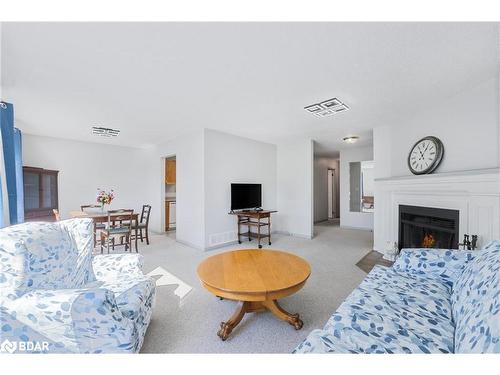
x=170, y=171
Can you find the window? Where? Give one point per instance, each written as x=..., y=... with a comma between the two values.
x=40, y=193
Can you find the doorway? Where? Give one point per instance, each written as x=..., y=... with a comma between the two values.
x=170, y=179
x=326, y=189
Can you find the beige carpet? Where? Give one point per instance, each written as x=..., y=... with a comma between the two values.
x=189, y=324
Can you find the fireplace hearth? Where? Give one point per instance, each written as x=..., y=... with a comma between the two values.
x=428, y=227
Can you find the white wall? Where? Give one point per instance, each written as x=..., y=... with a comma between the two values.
x=367, y=172
x=382, y=152
x=230, y=159
x=321, y=167
x=466, y=123
x=190, y=202
x=295, y=187
x=84, y=167
x=361, y=220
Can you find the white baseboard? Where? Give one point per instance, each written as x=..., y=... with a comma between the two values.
x=335, y=219
x=218, y=246
x=299, y=235
x=187, y=243
x=358, y=228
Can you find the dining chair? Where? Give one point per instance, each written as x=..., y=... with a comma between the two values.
x=85, y=206
x=115, y=228
x=143, y=224
x=57, y=216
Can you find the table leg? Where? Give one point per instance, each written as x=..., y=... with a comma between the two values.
x=227, y=327
x=278, y=311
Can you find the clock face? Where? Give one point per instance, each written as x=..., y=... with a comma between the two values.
x=425, y=155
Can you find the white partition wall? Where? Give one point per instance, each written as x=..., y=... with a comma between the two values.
x=190, y=199
x=295, y=187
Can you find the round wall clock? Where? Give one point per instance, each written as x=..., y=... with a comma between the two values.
x=426, y=155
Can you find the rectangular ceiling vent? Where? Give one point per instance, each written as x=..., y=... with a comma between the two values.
x=327, y=108
x=105, y=132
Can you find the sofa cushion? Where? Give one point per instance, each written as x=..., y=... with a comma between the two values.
x=444, y=263
x=476, y=305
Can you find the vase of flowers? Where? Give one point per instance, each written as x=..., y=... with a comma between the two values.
x=104, y=197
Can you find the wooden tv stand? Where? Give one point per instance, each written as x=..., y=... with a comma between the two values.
x=252, y=218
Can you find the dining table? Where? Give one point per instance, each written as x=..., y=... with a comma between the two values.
x=102, y=217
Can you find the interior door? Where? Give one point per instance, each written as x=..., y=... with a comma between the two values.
x=331, y=194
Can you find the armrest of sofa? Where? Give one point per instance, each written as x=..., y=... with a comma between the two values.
x=85, y=320
x=443, y=263
x=114, y=266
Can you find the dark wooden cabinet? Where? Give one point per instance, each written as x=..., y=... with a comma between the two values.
x=40, y=193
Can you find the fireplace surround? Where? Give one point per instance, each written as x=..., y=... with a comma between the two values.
x=428, y=227
x=475, y=194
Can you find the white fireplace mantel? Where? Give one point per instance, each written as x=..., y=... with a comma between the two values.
x=476, y=194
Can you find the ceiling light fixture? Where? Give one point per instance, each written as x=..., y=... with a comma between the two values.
x=327, y=108
x=351, y=139
x=105, y=132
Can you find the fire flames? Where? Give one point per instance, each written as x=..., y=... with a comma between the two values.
x=428, y=240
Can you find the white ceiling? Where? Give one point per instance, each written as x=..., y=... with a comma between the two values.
x=155, y=81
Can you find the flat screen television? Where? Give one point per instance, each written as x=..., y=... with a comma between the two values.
x=244, y=196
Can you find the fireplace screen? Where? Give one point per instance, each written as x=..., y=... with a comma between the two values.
x=428, y=227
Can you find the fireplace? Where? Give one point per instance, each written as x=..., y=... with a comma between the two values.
x=428, y=227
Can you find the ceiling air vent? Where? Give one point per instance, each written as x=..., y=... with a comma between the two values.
x=327, y=108
x=105, y=132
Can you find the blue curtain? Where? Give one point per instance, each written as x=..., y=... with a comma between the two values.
x=13, y=165
x=2, y=224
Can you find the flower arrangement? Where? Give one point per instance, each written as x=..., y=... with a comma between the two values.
x=104, y=197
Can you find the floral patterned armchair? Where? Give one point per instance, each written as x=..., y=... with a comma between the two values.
x=56, y=297
x=430, y=301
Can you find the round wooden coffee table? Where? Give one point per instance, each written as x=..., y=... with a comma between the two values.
x=256, y=279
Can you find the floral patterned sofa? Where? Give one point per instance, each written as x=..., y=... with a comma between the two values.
x=430, y=301
x=57, y=297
